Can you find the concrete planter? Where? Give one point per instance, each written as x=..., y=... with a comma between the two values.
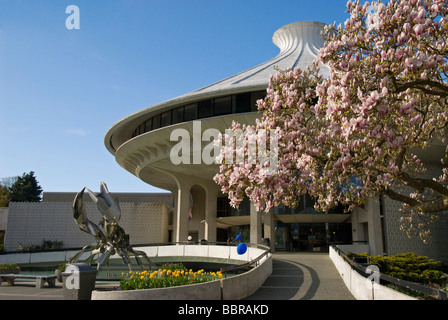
x=232, y=288
x=203, y=291
x=58, y=274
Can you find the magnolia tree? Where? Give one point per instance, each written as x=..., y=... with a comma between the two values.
x=361, y=132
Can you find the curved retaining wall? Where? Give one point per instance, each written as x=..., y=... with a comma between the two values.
x=232, y=288
x=361, y=287
x=184, y=250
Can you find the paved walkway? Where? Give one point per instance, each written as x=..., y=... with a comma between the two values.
x=303, y=276
x=295, y=276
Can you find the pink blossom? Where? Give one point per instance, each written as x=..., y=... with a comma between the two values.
x=422, y=13
x=370, y=109
x=418, y=29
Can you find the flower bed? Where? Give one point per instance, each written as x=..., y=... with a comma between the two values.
x=164, y=278
x=230, y=288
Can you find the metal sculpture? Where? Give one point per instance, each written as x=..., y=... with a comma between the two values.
x=111, y=239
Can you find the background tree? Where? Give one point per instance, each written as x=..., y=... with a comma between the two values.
x=361, y=132
x=26, y=189
x=5, y=196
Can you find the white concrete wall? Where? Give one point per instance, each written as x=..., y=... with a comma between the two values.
x=361, y=287
x=33, y=222
x=205, y=251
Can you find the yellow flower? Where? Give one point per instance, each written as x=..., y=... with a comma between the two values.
x=142, y=277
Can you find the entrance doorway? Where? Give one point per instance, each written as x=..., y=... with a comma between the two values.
x=310, y=237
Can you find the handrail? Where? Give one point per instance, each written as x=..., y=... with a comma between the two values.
x=361, y=269
x=253, y=261
x=29, y=254
x=134, y=245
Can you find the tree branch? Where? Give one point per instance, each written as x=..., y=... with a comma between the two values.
x=433, y=206
x=441, y=91
x=420, y=184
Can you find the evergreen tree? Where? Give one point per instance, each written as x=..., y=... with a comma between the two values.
x=26, y=189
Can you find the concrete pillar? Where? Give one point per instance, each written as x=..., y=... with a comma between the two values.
x=375, y=232
x=269, y=228
x=366, y=225
x=255, y=225
x=78, y=281
x=210, y=213
x=181, y=213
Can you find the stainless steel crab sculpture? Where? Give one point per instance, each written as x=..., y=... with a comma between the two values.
x=111, y=239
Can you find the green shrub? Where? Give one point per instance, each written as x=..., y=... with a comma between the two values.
x=407, y=266
x=46, y=245
x=62, y=267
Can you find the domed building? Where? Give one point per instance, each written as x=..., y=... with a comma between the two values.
x=142, y=143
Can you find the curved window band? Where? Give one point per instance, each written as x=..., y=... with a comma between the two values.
x=220, y=106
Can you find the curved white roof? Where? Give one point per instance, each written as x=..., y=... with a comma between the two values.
x=299, y=43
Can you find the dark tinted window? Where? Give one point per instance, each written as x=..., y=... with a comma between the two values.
x=205, y=109
x=178, y=115
x=148, y=125
x=223, y=105
x=242, y=102
x=257, y=95
x=191, y=112
x=165, y=119
x=156, y=122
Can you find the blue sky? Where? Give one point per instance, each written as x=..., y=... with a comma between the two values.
x=61, y=89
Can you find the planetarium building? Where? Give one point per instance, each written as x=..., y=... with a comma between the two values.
x=143, y=142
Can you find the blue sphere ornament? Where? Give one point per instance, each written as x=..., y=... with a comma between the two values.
x=242, y=248
x=238, y=237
